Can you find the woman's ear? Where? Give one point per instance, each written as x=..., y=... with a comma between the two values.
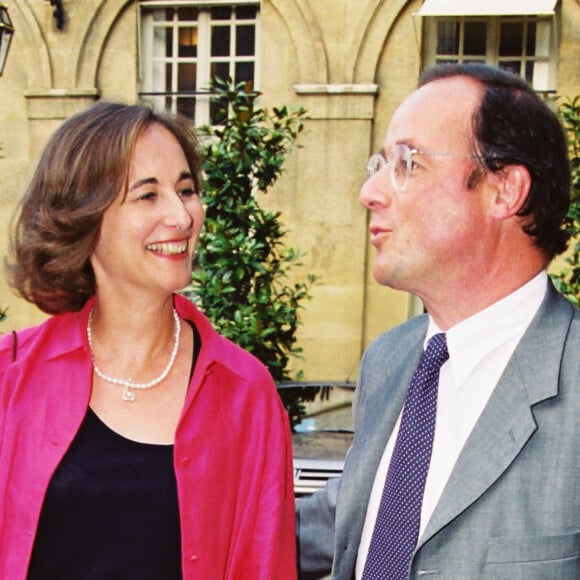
x=513, y=184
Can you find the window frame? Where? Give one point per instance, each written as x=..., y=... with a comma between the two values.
x=544, y=74
x=203, y=60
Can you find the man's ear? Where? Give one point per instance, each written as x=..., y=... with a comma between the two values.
x=511, y=190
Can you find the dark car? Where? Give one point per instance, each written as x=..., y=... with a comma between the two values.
x=322, y=430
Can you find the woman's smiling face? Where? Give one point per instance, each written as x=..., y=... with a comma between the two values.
x=148, y=235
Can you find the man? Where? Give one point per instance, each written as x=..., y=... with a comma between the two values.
x=466, y=203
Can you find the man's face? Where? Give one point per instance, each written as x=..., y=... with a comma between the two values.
x=428, y=237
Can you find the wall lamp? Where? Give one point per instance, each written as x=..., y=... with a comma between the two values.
x=58, y=13
x=6, y=33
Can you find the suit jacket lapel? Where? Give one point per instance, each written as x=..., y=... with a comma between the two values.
x=386, y=381
x=507, y=421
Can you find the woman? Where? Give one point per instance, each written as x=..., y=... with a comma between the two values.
x=135, y=442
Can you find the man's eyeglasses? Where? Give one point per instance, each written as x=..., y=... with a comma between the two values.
x=401, y=163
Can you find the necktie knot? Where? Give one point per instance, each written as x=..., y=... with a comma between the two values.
x=427, y=374
x=437, y=349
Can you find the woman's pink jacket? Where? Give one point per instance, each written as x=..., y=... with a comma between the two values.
x=232, y=450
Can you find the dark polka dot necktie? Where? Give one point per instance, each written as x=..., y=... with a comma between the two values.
x=397, y=525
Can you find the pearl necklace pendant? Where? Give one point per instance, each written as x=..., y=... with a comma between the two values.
x=128, y=393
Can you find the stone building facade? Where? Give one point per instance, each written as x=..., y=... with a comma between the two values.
x=348, y=62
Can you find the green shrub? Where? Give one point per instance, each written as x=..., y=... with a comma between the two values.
x=568, y=280
x=241, y=281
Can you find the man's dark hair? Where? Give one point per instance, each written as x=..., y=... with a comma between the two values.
x=514, y=126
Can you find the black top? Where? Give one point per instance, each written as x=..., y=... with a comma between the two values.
x=111, y=510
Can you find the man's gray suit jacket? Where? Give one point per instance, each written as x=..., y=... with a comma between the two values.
x=511, y=508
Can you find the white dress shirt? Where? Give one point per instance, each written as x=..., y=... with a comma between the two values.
x=479, y=350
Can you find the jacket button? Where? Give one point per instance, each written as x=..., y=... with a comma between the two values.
x=193, y=557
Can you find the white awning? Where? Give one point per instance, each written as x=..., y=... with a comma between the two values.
x=486, y=7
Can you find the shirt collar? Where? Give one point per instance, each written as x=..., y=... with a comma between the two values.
x=470, y=341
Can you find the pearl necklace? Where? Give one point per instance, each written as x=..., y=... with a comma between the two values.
x=128, y=394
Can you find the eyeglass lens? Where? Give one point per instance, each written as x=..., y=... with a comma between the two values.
x=375, y=163
x=399, y=164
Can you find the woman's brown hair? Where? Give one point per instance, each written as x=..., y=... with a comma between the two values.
x=82, y=170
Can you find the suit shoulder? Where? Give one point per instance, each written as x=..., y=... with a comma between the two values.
x=572, y=343
x=403, y=337
x=567, y=315
x=576, y=318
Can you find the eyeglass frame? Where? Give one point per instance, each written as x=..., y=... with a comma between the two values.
x=378, y=161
